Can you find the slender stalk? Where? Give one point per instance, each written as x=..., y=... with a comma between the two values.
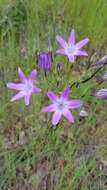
x=45, y=74
x=87, y=79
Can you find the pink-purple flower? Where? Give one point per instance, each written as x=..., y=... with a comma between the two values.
x=71, y=49
x=26, y=88
x=61, y=105
x=101, y=94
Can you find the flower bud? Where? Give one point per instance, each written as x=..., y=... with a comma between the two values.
x=103, y=60
x=45, y=61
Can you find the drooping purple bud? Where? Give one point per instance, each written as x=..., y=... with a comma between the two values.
x=45, y=61
x=101, y=94
x=103, y=60
x=99, y=80
x=59, y=67
x=102, y=78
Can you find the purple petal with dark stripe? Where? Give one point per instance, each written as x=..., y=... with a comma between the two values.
x=61, y=41
x=71, y=39
x=71, y=58
x=72, y=104
x=61, y=51
x=18, y=96
x=21, y=74
x=56, y=117
x=82, y=43
x=65, y=94
x=27, y=99
x=33, y=75
x=15, y=86
x=36, y=89
x=50, y=108
x=80, y=53
x=53, y=97
x=67, y=114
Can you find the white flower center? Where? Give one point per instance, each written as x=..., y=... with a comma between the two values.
x=71, y=49
x=61, y=104
x=28, y=86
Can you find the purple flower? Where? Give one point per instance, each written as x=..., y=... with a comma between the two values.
x=101, y=94
x=26, y=88
x=71, y=49
x=45, y=61
x=61, y=105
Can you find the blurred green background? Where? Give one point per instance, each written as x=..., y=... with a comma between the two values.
x=33, y=155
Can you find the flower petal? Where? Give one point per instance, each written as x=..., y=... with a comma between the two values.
x=33, y=75
x=56, y=117
x=82, y=43
x=61, y=51
x=61, y=41
x=49, y=108
x=27, y=99
x=15, y=86
x=71, y=39
x=101, y=94
x=53, y=97
x=36, y=89
x=71, y=57
x=18, y=96
x=21, y=74
x=72, y=104
x=80, y=53
x=65, y=94
x=67, y=114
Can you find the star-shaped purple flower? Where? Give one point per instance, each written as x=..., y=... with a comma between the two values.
x=61, y=105
x=26, y=88
x=71, y=49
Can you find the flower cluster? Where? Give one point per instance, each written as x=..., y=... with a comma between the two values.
x=61, y=104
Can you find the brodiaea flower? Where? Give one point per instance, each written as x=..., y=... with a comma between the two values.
x=101, y=94
x=26, y=88
x=71, y=49
x=45, y=61
x=61, y=105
